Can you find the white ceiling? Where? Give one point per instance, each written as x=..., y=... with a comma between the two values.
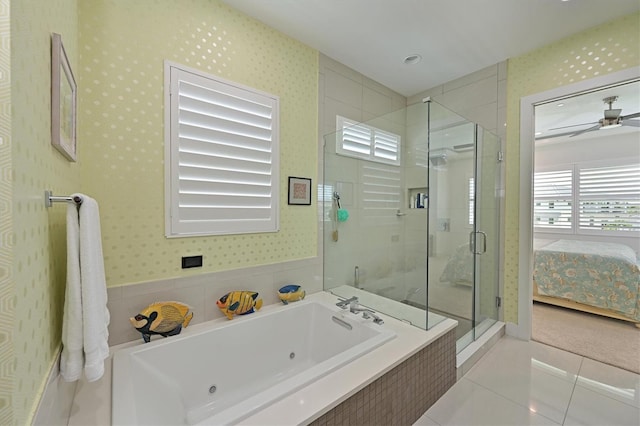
x=454, y=37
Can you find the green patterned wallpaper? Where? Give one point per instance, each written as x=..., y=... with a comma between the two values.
x=39, y=260
x=608, y=48
x=7, y=290
x=121, y=124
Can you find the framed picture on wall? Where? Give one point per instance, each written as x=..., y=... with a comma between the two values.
x=63, y=100
x=299, y=191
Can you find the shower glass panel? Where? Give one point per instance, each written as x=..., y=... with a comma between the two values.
x=487, y=230
x=375, y=237
x=405, y=216
x=464, y=221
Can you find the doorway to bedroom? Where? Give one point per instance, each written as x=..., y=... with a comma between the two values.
x=586, y=223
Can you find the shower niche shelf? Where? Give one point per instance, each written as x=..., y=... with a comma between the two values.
x=418, y=198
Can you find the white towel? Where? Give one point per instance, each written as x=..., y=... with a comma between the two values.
x=86, y=317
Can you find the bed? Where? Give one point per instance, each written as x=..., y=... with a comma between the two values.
x=459, y=267
x=601, y=278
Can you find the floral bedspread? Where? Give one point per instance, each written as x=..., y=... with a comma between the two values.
x=459, y=268
x=604, y=275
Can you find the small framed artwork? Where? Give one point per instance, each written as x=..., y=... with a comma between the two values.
x=63, y=101
x=299, y=191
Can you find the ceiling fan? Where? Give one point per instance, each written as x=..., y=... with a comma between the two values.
x=612, y=118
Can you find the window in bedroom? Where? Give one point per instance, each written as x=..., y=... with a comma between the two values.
x=606, y=199
x=221, y=156
x=553, y=194
x=609, y=198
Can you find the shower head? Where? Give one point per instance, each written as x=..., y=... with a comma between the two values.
x=438, y=160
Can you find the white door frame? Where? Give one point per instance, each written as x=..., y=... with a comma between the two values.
x=527, y=123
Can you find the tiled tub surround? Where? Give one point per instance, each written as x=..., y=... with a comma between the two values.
x=92, y=403
x=404, y=394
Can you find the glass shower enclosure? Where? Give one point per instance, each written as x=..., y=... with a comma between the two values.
x=410, y=206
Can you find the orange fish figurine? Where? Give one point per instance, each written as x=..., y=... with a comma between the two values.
x=239, y=303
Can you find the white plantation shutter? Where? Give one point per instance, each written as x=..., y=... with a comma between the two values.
x=386, y=146
x=356, y=138
x=223, y=174
x=366, y=142
x=609, y=198
x=553, y=195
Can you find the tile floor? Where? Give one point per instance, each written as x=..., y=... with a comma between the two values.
x=528, y=383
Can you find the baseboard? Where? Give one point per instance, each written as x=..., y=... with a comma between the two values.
x=518, y=331
x=55, y=405
x=468, y=357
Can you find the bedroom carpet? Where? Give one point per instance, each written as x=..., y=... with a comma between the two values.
x=607, y=340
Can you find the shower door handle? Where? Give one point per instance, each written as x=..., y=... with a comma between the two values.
x=473, y=239
x=484, y=242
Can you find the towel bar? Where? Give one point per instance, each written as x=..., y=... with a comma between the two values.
x=49, y=199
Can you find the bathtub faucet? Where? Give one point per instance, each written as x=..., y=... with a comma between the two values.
x=351, y=303
x=354, y=308
x=367, y=313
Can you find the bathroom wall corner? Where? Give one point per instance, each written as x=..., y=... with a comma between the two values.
x=55, y=405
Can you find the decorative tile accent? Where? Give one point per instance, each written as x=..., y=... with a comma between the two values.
x=405, y=393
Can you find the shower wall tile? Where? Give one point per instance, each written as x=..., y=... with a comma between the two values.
x=502, y=70
x=435, y=93
x=485, y=115
x=476, y=96
x=334, y=107
x=481, y=92
x=369, y=83
x=375, y=103
x=145, y=288
x=308, y=277
x=327, y=63
x=343, y=89
x=502, y=93
x=502, y=128
x=340, y=169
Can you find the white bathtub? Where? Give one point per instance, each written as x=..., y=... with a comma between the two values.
x=228, y=370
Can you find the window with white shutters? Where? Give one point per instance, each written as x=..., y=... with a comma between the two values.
x=366, y=142
x=222, y=171
x=583, y=199
x=553, y=195
x=609, y=198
